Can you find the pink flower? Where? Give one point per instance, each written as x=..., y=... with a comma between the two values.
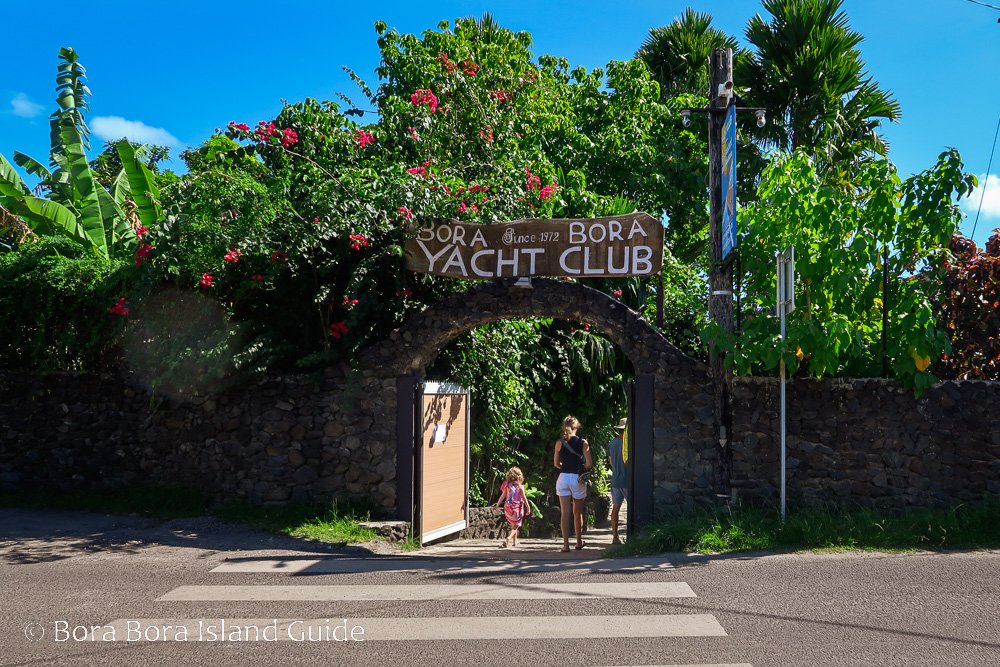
x=349, y=302
x=413, y=133
x=233, y=256
x=338, y=329
x=141, y=231
x=486, y=135
x=206, y=280
x=425, y=96
x=617, y=293
x=265, y=131
x=142, y=252
x=363, y=138
x=449, y=66
x=470, y=68
x=417, y=171
x=546, y=192
x=358, y=241
x=533, y=182
x=586, y=326
x=407, y=213
x=119, y=309
x=501, y=95
x=289, y=137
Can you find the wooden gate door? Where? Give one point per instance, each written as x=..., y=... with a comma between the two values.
x=442, y=460
x=640, y=452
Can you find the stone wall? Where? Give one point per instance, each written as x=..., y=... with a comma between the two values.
x=333, y=437
x=868, y=443
x=287, y=439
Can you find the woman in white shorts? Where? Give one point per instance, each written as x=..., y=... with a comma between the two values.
x=572, y=457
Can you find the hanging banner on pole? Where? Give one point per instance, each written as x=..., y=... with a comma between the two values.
x=627, y=245
x=729, y=184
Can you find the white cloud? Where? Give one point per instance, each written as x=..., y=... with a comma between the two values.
x=111, y=128
x=991, y=202
x=22, y=106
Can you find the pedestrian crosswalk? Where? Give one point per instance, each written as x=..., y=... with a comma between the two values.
x=472, y=627
x=341, y=593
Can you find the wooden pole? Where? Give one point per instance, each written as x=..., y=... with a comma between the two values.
x=720, y=301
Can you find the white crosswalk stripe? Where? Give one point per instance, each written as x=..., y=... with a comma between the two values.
x=421, y=629
x=436, y=628
x=520, y=591
x=355, y=565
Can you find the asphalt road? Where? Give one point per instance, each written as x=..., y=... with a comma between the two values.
x=103, y=577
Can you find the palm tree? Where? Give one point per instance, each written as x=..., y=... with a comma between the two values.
x=677, y=54
x=807, y=72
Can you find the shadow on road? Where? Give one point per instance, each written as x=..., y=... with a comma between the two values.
x=38, y=536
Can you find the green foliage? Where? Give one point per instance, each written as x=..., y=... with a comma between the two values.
x=96, y=215
x=847, y=242
x=55, y=301
x=751, y=529
x=685, y=309
x=807, y=72
x=107, y=166
x=525, y=376
x=677, y=54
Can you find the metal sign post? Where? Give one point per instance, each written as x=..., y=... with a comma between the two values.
x=785, y=305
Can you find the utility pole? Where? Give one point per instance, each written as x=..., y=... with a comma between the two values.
x=721, y=112
x=720, y=301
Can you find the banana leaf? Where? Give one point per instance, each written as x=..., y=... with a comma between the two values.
x=31, y=165
x=84, y=187
x=45, y=216
x=118, y=227
x=11, y=184
x=141, y=183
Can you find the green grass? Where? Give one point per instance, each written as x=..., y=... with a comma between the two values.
x=751, y=529
x=410, y=544
x=325, y=524
x=306, y=521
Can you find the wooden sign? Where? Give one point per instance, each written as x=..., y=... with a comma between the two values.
x=626, y=245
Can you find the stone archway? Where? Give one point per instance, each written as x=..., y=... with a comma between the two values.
x=682, y=453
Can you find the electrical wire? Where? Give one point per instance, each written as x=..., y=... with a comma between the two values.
x=983, y=4
x=986, y=179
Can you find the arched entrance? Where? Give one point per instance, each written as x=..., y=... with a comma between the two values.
x=675, y=455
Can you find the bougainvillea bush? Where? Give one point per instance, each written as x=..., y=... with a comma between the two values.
x=296, y=224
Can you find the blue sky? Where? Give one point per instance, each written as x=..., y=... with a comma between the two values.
x=172, y=72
